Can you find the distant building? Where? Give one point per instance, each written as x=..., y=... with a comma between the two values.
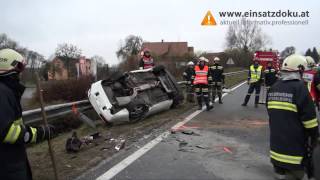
x=71, y=68
x=168, y=48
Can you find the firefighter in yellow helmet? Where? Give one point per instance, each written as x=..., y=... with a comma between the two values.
x=254, y=81
x=293, y=122
x=14, y=134
x=201, y=82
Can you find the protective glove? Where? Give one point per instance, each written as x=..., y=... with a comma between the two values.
x=45, y=132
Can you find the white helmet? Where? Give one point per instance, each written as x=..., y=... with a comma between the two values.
x=216, y=59
x=294, y=62
x=11, y=62
x=203, y=59
x=190, y=63
x=310, y=61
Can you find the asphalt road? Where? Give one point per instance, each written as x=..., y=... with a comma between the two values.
x=229, y=142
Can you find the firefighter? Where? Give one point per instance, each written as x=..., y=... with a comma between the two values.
x=254, y=81
x=216, y=72
x=201, y=82
x=292, y=120
x=14, y=135
x=146, y=61
x=312, y=80
x=270, y=75
x=188, y=76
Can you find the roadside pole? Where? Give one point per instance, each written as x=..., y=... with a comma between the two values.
x=45, y=122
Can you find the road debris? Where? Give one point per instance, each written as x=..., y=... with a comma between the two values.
x=183, y=144
x=226, y=149
x=188, y=132
x=202, y=147
x=74, y=144
x=120, y=145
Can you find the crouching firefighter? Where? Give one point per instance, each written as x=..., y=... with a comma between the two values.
x=217, y=84
x=188, y=76
x=201, y=83
x=293, y=122
x=14, y=135
x=254, y=81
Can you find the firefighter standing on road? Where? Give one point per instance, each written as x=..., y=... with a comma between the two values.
x=216, y=72
x=312, y=80
x=188, y=76
x=254, y=81
x=201, y=82
x=13, y=133
x=270, y=76
x=292, y=119
x=146, y=61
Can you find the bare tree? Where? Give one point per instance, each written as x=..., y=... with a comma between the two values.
x=288, y=51
x=6, y=42
x=246, y=36
x=68, y=51
x=132, y=46
x=99, y=60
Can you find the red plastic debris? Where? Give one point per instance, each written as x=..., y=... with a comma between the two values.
x=226, y=149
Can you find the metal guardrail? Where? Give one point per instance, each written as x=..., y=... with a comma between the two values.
x=54, y=111
x=226, y=74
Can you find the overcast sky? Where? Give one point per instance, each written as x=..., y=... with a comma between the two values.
x=97, y=26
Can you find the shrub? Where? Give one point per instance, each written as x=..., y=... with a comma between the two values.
x=65, y=90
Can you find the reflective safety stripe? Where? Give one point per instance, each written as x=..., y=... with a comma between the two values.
x=282, y=105
x=270, y=71
x=34, y=135
x=205, y=90
x=286, y=158
x=255, y=73
x=13, y=134
x=311, y=123
x=19, y=121
x=201, y=75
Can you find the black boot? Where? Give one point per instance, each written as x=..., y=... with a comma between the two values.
x=209, y=107
x=213, y=97
x=220, y=99
x=199, y=103
x=256, y=101
x=246, y=100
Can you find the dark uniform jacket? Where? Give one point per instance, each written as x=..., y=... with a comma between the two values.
x=270, y=76
x=216, y=72
x=188, y=75
x=292, y=119
x=13, y=158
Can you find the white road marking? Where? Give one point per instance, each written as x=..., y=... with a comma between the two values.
x=140, y=152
